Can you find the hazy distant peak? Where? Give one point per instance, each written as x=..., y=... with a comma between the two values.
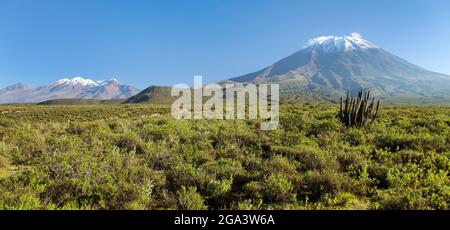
x=337, y=43
x=18, y=86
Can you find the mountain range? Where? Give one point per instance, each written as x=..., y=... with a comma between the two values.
x=75, y=88
x=324, y=70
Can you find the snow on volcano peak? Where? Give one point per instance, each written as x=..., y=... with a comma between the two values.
x=337, y=43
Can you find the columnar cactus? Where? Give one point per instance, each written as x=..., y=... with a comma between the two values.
x=358, y=111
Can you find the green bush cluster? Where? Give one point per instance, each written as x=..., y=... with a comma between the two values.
x=138, y=157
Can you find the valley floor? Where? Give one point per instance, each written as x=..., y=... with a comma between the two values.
x=138, y=157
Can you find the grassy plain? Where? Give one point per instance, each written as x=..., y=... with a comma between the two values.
x=138, y=157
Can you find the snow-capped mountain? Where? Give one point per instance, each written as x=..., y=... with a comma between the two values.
x=77, y=87
x=329, y=66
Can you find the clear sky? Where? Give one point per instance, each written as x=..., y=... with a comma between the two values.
x=166, y=41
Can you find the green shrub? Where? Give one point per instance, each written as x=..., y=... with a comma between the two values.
x=219, y=188
x=189, y=199
x=278, y=188
x=76, y=128
x=356, y=136
x=317, y=184
x=30, y=147
x=379, y=172
x=310, y=157
x=253, y=189
x=279, y=164
x=27, y=202
x=412, y=187
x=351, y=161
x=131, y=142
x=346, y=201
x=395, y=141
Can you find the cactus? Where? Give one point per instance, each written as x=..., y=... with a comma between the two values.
x=358, y=111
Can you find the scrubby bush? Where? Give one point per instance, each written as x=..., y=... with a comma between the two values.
x=189, y=199
x=76, y=128
x=318, y=184
x=220, y=188
x=345, y=200
x=279, y=188
x=253, y=189
x=131, y=142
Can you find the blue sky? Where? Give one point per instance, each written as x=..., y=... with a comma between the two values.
x=145, y=42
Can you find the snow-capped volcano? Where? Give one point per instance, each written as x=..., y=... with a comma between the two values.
x=328, y=66
x=76, y=87
x=336, y=43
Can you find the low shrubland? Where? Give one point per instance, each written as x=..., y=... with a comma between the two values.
x=138, y=157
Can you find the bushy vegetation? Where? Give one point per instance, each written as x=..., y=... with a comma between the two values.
x=138, y=157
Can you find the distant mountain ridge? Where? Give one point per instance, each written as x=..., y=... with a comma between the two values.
x=328, y=66
x=82, y=102
x=75, y=88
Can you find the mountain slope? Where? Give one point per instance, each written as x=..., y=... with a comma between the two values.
x=329, y=66
x=153, y=95
x=75, y=88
